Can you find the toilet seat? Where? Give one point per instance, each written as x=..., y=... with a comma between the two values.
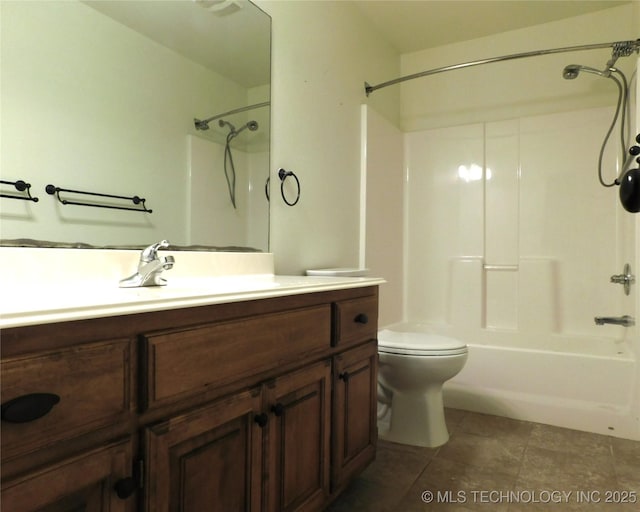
x=419, y=344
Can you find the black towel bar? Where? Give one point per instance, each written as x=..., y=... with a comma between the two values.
x=20, y=186
x=53, y=190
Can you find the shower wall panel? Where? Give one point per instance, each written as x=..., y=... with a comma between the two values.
x=210, y=214
x=507, y=222
x=445, y=213
x=567, y=216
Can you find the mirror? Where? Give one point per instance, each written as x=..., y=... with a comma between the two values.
x=101, y=97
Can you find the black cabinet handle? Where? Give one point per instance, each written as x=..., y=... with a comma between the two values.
x=29, y=407
x=261, y=419
x=277, y=409
x=361, y=318
x=344, y=376
x=125, y=487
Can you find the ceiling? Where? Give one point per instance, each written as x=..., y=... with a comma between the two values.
x=411, y=25
x=194, y=28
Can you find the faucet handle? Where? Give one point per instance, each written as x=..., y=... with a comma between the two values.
x=626, y=278
x=151, y=252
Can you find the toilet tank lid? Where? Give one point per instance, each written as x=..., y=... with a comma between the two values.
x=417, y=341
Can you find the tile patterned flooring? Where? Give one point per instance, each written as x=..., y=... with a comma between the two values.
x=498, y=464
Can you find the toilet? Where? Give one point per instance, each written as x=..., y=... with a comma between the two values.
x=413, y=366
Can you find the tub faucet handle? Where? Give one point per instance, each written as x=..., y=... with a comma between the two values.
x=626, y=279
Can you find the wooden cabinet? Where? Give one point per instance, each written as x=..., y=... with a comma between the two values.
x=262, y=449
x=298, y=445
x=207, y=459
x=266, y=405
x=354, y=412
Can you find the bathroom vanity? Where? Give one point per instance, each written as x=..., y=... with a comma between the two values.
x=264, y=403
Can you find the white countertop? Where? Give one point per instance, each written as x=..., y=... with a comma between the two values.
x=39, y=286
x=39, y=306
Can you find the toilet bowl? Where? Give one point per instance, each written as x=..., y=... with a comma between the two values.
x=413, y=367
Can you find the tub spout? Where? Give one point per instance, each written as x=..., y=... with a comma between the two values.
x=626, y=320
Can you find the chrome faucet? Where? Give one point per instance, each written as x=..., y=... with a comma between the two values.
x=626, y=320
x=150, y=267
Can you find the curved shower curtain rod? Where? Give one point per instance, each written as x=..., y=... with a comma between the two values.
x=203, y=124
x=620, y=49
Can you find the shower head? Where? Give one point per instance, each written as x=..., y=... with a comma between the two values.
x=573, y=70
x=252, y=125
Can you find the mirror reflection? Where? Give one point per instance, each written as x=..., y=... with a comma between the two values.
x=103, y=97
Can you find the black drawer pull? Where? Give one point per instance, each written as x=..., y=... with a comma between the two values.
x=277, y=409
x=344, y=376
x=361, y=318
x=27, y=408
x=125, y=487
x=261, y=419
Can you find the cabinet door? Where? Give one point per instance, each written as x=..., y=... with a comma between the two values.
x=209, y=459
x=299, y=435
x=82, y=483
x=355, y=430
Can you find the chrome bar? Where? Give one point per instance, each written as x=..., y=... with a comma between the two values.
x=200, y=122
x=631, y=45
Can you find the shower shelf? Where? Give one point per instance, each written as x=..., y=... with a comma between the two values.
x=136, y=200
x=20, y=186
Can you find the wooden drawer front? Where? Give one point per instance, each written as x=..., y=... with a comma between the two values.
x=356, y=320
x=185, y=363
x=84, y=482
x=92, y=382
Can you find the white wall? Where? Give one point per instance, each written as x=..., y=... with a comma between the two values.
x=322, y=52
x=515, y=88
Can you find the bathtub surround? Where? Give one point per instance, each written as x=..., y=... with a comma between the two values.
x=521, y=251
x=522, y=284
x=509, y=240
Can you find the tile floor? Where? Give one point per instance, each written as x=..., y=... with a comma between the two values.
x=498, y=464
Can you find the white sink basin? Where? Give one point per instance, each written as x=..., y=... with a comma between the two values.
x=185, y=287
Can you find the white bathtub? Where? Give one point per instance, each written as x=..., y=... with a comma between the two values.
x=583, y=383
